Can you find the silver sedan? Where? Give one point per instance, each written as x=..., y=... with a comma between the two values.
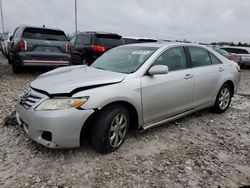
x=135, y=86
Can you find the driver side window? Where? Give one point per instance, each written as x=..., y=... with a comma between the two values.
x=174, y=58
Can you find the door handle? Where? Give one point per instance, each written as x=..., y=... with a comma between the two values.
x=188, y=76
x=221, y=69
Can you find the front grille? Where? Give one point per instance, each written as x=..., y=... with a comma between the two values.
x=28, y=101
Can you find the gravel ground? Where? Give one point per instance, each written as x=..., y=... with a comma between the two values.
x=209, y=150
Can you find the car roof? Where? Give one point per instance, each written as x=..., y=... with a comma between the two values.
x=98, y=33
x=139, y=38
x=35, y=27
x=165, y=44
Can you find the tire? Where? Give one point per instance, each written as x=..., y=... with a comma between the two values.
x=223, y=99
x=16, y=69
x=84, y=61
x=9, y=61
x=107, y=133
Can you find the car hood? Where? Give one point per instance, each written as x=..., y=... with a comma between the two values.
x=69, y=80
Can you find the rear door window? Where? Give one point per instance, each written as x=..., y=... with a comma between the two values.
x=199, y=57
x=174, y=58
x=44, y=34
x=214, y=59
x=83, y=40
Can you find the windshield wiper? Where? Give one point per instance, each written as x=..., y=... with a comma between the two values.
x=100, y=68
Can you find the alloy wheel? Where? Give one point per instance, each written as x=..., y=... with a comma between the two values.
x=224, y=98
x=118, y=130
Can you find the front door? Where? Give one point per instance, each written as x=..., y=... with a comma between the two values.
x=169, y=94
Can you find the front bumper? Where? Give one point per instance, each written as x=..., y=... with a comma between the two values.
x=64, y=125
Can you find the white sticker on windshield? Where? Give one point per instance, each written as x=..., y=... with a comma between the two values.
x=140, y=52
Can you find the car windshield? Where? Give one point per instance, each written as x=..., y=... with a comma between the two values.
x=125, y=59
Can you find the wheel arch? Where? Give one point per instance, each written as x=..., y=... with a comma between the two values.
x=231, y=84
x=133, y=114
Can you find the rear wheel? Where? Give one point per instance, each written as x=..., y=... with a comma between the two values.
x=9, y=61
x=110, y=129
x=16, y=69
x=223, y=99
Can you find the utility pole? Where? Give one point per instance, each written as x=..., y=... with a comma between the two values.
x=2, y=15
x=76, y=16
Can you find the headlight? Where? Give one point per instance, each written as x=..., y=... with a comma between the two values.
x=61, y=104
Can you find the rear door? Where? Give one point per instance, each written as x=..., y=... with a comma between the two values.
x=208, y=71
x=81, y=48
x=16, y=36
x=170, y=94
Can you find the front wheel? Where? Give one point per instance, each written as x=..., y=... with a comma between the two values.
x=110, y=129
x=223, y=99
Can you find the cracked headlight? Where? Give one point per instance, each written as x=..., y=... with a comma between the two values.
x=61, y=104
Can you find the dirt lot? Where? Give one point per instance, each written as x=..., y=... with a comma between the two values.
x=208, y=151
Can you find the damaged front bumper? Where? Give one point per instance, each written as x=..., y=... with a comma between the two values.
x=53, y=129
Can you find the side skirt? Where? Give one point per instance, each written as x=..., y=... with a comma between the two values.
x=167, y=120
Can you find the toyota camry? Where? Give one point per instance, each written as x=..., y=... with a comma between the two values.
x=136, y=86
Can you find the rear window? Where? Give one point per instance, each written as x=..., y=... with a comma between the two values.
x=129, y=41
x=108, y=41
x=236, y=50
x=83, y=40
x=44, y=34
x=132, y=40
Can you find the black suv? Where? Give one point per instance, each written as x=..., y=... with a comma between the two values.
x=88, y=46
x=38, y=46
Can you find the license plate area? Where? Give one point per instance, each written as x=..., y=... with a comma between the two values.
x=46, y=49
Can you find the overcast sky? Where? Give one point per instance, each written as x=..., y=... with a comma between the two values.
x=195, y=20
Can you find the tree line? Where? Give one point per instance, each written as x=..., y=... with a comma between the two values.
x=231, y=44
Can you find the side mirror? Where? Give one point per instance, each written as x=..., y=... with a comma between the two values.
x=11, y=37
x=158, y=69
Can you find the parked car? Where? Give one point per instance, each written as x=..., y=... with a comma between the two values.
x=88, y=46
x=135, y=86
x=233, y=57
x=5, y=38
x=9, y=49
x=243, y=52
x=132, y=40
x=38, y=46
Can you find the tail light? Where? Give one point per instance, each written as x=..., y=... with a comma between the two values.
x=68, y=48
x=22, y=45
x=97, y=48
